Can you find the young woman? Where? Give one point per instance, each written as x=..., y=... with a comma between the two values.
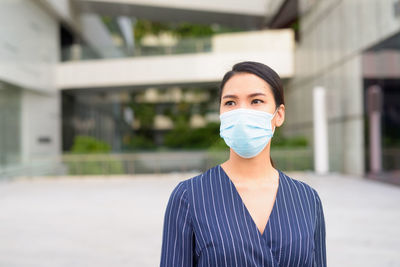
x=245, y=212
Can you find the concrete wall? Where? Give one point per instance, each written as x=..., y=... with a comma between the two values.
x=28, y=45
x=334, y=33
x=29, y=52
x=254, y=7
x=41, y=119
x=98, y=36
x=274, y=48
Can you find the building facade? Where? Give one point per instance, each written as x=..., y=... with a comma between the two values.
x=29, y=100
x=346, y=47
x=334, y=38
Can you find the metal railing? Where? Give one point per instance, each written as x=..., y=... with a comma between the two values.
x=147, y=162
x=182, y=46
x=391, y=158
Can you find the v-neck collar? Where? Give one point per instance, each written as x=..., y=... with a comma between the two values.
x=244, y=206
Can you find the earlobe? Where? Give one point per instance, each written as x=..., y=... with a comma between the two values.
x=279, y=121
x=281, y=116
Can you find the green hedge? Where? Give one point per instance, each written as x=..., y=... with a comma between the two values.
x=90, y=145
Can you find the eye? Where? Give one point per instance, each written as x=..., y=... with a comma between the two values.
x=229, y=103
x=257, y=101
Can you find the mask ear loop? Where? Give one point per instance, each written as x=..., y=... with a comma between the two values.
x=272, y=118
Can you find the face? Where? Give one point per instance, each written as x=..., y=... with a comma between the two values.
x=245, y=90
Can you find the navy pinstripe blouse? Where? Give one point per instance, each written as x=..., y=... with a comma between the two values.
x=207, y=224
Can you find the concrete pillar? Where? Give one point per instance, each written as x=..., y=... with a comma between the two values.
x=321, y=160
x=374, y=106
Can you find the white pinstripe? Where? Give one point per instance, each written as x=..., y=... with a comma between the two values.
x=226, y=216
x=169, y=217
x=195, y=216
x=208, y=225
x=308, y=231
x=248, y=231
x=320, y=229
x=183, y=240
x=290, y=229
x=280, y=233
x=219, y=229
x=297, y=219
x=237, y=222
x=176, y=235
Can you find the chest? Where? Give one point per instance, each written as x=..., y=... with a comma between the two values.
x=259, y=202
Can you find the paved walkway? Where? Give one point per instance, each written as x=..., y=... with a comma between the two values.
x=102, y=222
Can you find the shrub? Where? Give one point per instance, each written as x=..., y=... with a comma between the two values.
x=91, y=145
x=88, y=144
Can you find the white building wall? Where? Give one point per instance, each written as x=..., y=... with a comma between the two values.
x=253, y=7
x=29, y=51
x=63, y=8
x=333, y=35
x=272, y=47
x=29, y=45
x=98, y=36
x=41, y=118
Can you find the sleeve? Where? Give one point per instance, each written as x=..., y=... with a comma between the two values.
x=178, y=237
x=319, y=235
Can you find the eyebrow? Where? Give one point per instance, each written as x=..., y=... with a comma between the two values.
x=250, y=95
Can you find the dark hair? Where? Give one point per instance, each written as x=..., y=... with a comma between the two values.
x=264, y=72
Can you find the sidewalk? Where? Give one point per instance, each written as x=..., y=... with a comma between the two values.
x=362, y=220
x=104, y=221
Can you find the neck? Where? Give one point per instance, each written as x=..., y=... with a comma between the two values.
x=256, y=168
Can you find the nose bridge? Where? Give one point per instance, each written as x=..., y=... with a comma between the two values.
x=244, y=104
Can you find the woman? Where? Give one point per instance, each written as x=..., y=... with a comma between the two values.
x=245, y=212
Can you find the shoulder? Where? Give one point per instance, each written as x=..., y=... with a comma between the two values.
x=178, y=197
x=179, y=190
x=302, y=188
x=185, y=187
x=194, y=183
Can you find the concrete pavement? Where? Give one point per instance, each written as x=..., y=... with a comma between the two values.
x=117, y=221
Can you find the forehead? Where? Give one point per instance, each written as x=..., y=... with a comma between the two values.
x=246, y=83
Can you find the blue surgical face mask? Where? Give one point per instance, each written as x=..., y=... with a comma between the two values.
x=246, y=131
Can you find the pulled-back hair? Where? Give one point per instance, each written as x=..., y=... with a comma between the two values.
x=262, y=71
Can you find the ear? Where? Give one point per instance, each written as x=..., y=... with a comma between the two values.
x=280, y=116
